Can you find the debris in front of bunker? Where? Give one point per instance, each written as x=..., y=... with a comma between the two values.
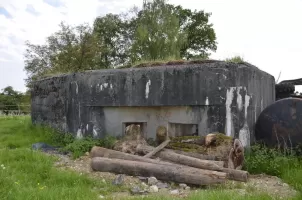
x=172, y=166
x=162, y=185
x=161, y=134
x=132, y=138
x=136, y=190
x=118, y=180
x=43, y=146
x=262, y=183
x=174, y=192
x=182, y=185
x=151, y=142
x=142, y=178
x=152, y=180
x=153, y=189
x=144, y=185
x=49, y=149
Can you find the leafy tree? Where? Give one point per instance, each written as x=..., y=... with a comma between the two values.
x=37, y=61
x=70, y=49
x=74, y=48
x=158, y=31
x=115, y=33
x=157, y=34
x=110, y=31
x=201, y=36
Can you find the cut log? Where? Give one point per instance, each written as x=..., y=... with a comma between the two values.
x=157, y=149
x=211, y=139
x=162, y=172
x=198, y=155
x=168, y=155
x=108, y=153
x=178, y=158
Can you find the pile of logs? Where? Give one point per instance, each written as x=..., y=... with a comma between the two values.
x=170, y=165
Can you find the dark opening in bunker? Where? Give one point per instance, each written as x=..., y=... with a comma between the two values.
x=142, y=125
x=180, y=129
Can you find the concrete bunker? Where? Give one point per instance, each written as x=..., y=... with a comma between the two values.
x=187, y=98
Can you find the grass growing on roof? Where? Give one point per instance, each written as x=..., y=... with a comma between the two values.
x=235, y=59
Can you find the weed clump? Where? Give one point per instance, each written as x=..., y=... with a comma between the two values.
x=261, y=159
x=79, y=147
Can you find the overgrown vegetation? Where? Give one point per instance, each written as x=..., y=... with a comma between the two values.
x=270, y=161
x=79, y=147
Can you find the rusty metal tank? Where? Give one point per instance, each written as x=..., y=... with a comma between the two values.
x=281, y=123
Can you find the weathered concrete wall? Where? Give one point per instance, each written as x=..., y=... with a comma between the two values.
x=218, y=96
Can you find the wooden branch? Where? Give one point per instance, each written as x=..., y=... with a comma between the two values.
x=157, y=149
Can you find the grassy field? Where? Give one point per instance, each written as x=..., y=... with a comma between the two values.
x=27, y=174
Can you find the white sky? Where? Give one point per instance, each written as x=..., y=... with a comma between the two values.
x=266, y=33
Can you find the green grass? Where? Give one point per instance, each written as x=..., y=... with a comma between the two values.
x=209, y=195
x=17, y=131
x=27, y=174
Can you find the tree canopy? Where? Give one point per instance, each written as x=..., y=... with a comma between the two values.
x=158, y=31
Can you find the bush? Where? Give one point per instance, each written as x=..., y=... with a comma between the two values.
x=261, y=159
x=62, y=139
x=80, y=146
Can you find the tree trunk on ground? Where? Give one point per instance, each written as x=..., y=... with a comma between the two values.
x=169, y=155
x=197, y=155
x=178, y=158
x=162, y=172
x=108, y=153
